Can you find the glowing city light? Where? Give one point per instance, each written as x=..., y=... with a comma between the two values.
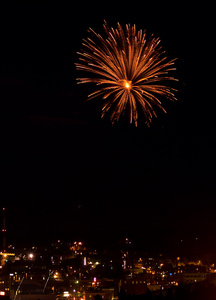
x=66, y=294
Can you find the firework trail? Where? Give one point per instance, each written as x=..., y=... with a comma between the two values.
x=130, y=71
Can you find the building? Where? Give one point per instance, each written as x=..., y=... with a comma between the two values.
x=192, y=277
x=36, y=297
x=30, y=289
x=133, y=286
x=105, y=294
x=5, y=257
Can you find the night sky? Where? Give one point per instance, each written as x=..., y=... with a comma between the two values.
x=65, y=172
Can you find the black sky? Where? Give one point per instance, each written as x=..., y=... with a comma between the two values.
x=67, y=173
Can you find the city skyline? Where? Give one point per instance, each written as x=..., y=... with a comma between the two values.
x=75, y=270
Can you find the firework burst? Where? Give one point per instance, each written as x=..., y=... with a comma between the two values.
x=130, y=71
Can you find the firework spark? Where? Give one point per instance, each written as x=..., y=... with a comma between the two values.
x=130, y=71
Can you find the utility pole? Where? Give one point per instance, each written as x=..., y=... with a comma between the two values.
x=4, y=231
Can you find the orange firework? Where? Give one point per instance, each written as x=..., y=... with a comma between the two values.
x=130, y=71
